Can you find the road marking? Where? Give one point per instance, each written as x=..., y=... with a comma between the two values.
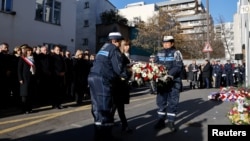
x=42, y=118
x=76, y=125
x=23, y=119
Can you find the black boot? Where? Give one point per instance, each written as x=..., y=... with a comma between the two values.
x=160, y=124
x=97, y=133
x=107, y=134
x=126, y=129
x=171, y=126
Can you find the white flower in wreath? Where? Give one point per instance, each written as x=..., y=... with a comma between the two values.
x=150, y=76
x=151, y=64
x=138, y=70
x=134, y=67
x=155, y=69
x=240, y=102
x=143, y=65
x=144, y=74
x=153, y=73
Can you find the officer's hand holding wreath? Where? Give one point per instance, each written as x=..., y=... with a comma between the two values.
x=164, y=83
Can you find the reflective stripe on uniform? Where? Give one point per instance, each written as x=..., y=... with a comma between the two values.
x=171, y=114
x=161, y=113
x=105, y=53
x=166, y=58
x=105, y=124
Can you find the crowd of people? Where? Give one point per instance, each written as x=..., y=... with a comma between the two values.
x=35, y=76
x=214, y=74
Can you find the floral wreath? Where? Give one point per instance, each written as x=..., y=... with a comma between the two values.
x=143, y=72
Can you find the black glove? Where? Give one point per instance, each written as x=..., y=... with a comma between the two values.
x=164, y=83
x=166, y=78
x=169, y=78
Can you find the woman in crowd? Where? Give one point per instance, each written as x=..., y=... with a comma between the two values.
x=27, y=80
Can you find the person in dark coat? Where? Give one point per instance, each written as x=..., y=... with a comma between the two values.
x=44, y=75
x=58, y=76
x=5, y=74
x=80, y=73
x=121, y=89
x=106, y=68
x=206, y=74
x=68, y=74
x=27, y=79
x=228, y=70
x=192, y=74
x=15, y=85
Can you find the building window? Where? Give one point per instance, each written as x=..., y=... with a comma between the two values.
x=86, y=23
x=137, y=19
x=48, y=11
x=6, y=5
x=86, y=5
x=85, y=41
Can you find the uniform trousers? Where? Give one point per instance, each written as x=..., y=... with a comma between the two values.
x=101, y=100
x=167, y=102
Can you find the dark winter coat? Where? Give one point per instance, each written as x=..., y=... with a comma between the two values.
x=29, y=80
x=121, y=89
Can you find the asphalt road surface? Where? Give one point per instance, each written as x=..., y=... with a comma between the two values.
x=75, y=123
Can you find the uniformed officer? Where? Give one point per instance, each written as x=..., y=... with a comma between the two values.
x=168, y=96
x=228, y=70
x=106, y=68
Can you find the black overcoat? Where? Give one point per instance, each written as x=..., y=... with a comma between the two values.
x=29, y=80
x=121, y=89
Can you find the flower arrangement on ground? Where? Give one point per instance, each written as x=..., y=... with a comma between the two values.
x=239, y=114
x=230, y=94
x=143, y=72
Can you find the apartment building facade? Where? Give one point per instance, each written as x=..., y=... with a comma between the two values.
x=87, y=19
x=38, y=22
x=242, y=36
x=191, y=15
x=241, y=30
x=139, y=11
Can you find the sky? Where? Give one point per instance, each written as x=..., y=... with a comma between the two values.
x=217, y=8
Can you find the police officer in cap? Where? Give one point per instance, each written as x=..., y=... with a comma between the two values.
x=228, y=70
x=106, y=68
x=168, y=95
